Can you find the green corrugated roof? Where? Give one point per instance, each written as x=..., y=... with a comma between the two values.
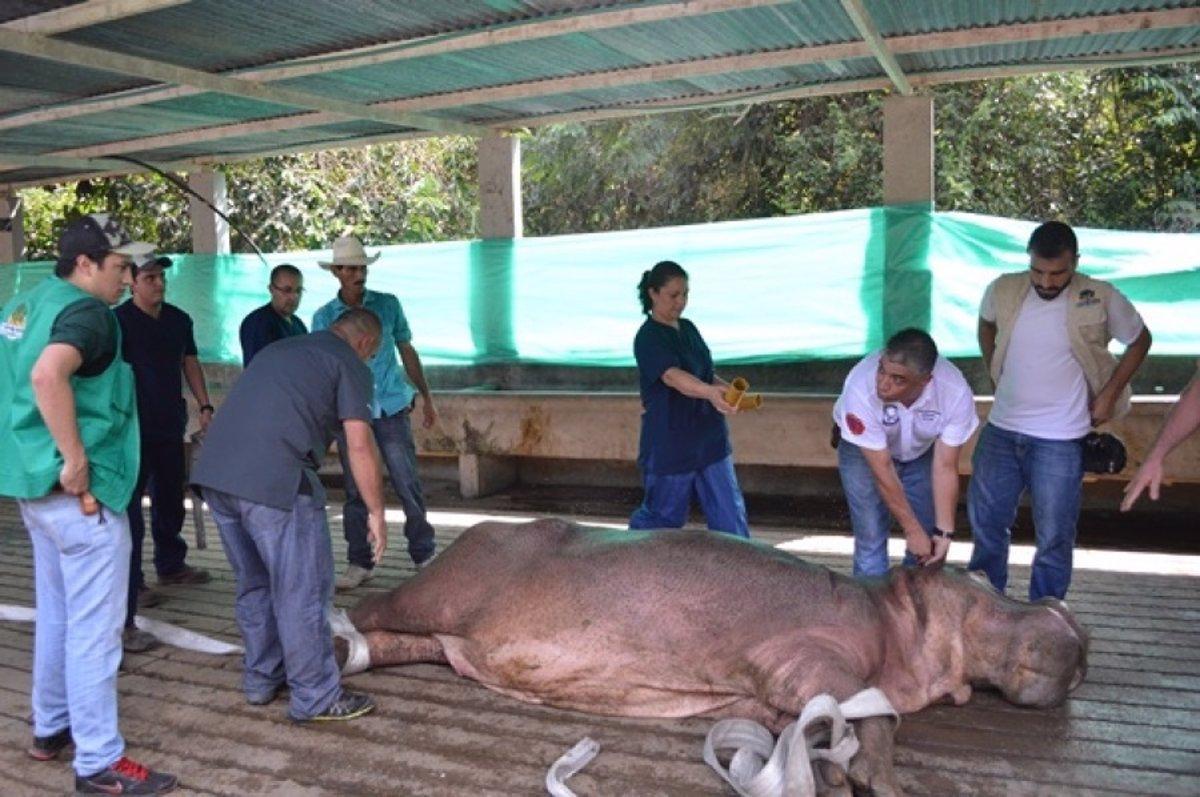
x=503, y=64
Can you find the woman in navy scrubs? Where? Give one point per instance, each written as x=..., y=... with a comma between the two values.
x=684, y=450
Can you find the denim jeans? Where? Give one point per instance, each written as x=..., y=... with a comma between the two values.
x=1005, y=465
x=283, y=563
x=869, y=516
x=81, y=573
x=669, y=499
x=393, y=435
x=162, y=473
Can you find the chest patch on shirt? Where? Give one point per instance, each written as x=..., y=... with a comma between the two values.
x=855, y=424
x=928, y=416
x=1087, y=298
x=891, y=415
x=13, y=327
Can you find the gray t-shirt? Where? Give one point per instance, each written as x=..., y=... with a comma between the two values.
x=280, y=418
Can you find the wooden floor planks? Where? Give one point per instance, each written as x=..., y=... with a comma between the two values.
x=1132, y=728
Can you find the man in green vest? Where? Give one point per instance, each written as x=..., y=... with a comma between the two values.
x=70, y=442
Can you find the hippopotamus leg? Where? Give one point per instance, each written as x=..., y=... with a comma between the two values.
x=387, y=648
x=871, y=770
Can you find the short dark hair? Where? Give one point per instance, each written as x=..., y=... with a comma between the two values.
x=913, y=348
x=663, y=272
x=65, y=266
x=284, y=268
x=1051, y=239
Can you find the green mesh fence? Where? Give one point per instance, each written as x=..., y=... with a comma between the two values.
x=827, y=285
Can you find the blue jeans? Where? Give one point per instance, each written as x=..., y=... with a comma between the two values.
x=162, y=473
x=669, y=499
x=393, y=435
x=1005, y=465
x=80, y=572
x=869, y=516
x=283, y=562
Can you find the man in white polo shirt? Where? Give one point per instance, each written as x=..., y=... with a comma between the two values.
x=1044, y=335
x=903, y=416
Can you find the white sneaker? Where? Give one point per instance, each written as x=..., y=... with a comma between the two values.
x=353, y=576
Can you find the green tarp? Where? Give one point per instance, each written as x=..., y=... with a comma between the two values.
x=827, y=285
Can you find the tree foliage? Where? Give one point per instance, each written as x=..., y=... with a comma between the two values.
x=1117, y=149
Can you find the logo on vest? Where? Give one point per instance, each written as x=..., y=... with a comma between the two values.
x=891, y=415
x=13, y=327
x=1087, y=297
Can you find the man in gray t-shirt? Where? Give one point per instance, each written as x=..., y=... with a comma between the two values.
x=258, y=468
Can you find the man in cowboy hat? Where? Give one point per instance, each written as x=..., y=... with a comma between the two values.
x=394, y=401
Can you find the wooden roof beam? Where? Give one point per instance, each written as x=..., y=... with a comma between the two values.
x=513, y=33
x=85, y=14
x=866, y=28
x=36, y=46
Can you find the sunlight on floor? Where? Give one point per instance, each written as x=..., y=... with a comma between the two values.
x=843, y=545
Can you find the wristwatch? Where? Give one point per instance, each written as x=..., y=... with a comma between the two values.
x=941, y=533
x=208, y=407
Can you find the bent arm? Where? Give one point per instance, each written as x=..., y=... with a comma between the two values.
x=680, y=380
x=887, y=481
x=1131, y=360
x=51, y=380
x=368, y=477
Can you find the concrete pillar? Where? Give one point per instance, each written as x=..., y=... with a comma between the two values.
x=907, y=150
x=12, y=228
x=484, y=474
x=500, y=187
x=492, y=266
x=210, y=232
x=907, y=214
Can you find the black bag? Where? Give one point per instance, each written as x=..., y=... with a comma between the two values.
x=1103, y=453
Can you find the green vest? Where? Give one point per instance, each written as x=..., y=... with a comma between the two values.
x=105, y=407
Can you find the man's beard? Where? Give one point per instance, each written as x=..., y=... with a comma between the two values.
x=1050, y=294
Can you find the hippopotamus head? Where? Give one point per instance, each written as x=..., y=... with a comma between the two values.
x=1033, y=653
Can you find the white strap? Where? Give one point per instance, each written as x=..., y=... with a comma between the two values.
x=568, y=764
x=359, y=658
x=170, y=634
x=760, y=767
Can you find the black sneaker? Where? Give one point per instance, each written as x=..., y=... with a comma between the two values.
x=347, y=707
x=126, y=776
x=47, y=748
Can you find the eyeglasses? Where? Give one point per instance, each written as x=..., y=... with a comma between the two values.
x=288, y=291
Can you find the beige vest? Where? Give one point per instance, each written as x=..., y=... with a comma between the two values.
x=1087, y=328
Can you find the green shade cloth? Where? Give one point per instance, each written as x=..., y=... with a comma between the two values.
x=818, y=286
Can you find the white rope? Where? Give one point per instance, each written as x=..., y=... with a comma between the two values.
x=762, y=767
x=568, y=764
x=165, y=632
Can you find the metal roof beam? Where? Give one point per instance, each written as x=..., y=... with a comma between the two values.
x=866, y=28
x=85, y=14
x=158, y=71
x=395, y=51
x=19, y=160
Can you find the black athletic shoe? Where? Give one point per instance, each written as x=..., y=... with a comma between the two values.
x=126, y=776
x=47, y=748
x=350, y=705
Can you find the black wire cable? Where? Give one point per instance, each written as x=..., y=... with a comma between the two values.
x=182, y=186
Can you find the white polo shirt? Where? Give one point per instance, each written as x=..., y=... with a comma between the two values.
x=945, y=409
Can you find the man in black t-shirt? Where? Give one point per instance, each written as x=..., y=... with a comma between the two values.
x=158, y=342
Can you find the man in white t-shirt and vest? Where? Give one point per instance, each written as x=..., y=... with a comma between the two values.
x=903, y=416
x=1044, y=335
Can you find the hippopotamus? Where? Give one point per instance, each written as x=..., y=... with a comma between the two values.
x=682, y=624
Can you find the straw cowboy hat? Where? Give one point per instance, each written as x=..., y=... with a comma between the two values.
x=348, y=251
